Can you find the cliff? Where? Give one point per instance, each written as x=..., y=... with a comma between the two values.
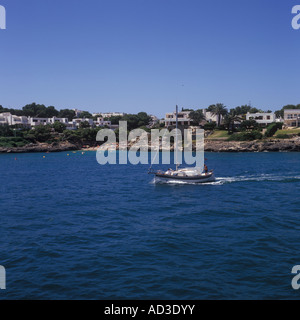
x=272, y=145
x=41, y=147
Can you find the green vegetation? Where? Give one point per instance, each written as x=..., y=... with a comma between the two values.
x=284, y=136
x=246, y=136
x=219, y=134
x=85, y=134
x=210, y=126
x=41, y=111
x=135, y=121
x=12, y=142
x=196, y=117
x=249, y=125
x=218, y=110
x=292, y=132
x=272, y=128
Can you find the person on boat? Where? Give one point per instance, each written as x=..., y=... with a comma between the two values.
x=205, y=169
x=169, y=171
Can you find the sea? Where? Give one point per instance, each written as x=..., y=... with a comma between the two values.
x=74, y=229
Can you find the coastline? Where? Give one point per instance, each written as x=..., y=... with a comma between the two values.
x=270, y=145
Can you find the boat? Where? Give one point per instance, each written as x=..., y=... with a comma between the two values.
x=185, y=175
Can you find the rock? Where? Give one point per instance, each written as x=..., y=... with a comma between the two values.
x=42, y=147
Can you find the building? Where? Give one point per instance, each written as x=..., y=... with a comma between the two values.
x=183, y=119
x=154, y=120
x=263, y=119
x=100, y=122
x=7, y=118
x=292, y=118
x=210, y=117
x=31, y=122
x=77, y=121
x=113, y=114
x=77, y=112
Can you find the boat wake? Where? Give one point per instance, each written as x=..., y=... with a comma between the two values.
x=236, y=179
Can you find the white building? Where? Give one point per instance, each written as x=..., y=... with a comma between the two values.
x=113, y=114
x=262, y=118
x=292, y=117
x=100, y=122
x=210, y=117
x=77, y=121
x=7, y=118
x=77, y=112
x=183, y=118
x=154, y=120
x=61, y=120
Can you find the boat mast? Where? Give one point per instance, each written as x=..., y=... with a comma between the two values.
x=176, y=140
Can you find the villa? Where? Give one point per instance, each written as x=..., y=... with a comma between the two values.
x=12, y=120
x=183, y=119
x=102, y=123
x=292, y=117
x=210, y=117
x=262, y=118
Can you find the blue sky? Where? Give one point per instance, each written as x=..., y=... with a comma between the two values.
x=149, y=55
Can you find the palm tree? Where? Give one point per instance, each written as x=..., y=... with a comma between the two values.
x=197, y=116
x=218, y=110
x=230, y=119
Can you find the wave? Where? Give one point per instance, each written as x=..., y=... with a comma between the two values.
x=244, y=178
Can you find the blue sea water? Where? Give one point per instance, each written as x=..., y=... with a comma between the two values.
x=73, y=229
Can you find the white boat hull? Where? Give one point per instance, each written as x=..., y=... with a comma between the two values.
x=203, y=178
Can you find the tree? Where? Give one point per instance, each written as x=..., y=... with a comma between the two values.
x=114, y=119
x=41, y=133
x=137, y=120
x=144, y=119
x=59, y=127
x=86, y=114
x=210, y=126
x=240, y=110
x=67, y=113
x=51, y=112
x=84, y=124
x=197, y=116
x=229, y=121
x=249, y=125
x=255, y=110
x=5, y=131
x=272, y=128
x=35, y=110
x=218, y=110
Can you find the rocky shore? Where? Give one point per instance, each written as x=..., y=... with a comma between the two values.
x=41, y=147
x=270, y=145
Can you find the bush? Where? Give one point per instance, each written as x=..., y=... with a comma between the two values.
x=210, y=126
x=246, y=136
x=11, y=142
x=284, y=136
x=272, y=128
